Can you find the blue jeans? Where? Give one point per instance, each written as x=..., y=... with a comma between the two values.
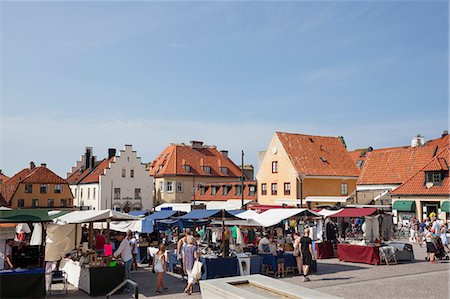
x=127, y=265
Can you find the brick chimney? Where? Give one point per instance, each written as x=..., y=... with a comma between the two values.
x=43, y=165
x=196, y=144
x=224, y=153
x=32, y=165
x=111, y=152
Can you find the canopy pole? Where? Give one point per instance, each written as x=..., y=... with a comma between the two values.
x=76, y=233
x=91, y=234
x=108, y=231
x=223, y=232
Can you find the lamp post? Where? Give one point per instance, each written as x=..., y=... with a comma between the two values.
x=242, y=180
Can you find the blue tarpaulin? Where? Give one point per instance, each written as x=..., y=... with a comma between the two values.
x=138, y=213
x=235, y=212
x=148, y=223
x=207, y=214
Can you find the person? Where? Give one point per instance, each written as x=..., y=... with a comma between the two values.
x=444, y=237
x=159, y=265
x=413, y=230
x=189, y=257
x=436, y=226
x=280, y=260
x=134, y=249
x=124, y=251
x=181, y=246
x=307, y=253
x=264, y=241
x=429, y=239
x=298, y=253
x=100, y=241
x=8, y=254
x=84, y=234
x=225, y=246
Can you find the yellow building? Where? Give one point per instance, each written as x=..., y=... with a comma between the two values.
x=307, y=170
x=36, y=187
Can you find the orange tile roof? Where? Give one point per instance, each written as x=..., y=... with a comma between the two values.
x=79, y=175
x=208, y=196
x=171, y=160
x=318, y=155
x=397, y=164
x=94, y=175
x=415, y=185
x=37, y=175
x=3, y=178
x=359, y=155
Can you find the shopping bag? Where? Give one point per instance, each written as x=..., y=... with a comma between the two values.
x=197, y=270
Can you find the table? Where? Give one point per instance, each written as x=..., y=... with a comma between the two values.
x=324, y=250
x=359, y=253
x=219, y=267
x=95, y=281
x=22, y=283
x=289, y=261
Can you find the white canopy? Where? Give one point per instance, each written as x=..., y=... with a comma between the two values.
x=249, y=214
x=328, y=213
x=124, y=226
x=93, y=216
x=231, y=204
x=274, y=216
x=341, y=199
x=242, y=222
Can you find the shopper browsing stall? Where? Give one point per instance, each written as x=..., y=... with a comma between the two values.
x=307, y=253
x=124, y=251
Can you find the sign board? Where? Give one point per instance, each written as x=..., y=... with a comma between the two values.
x=7, y=232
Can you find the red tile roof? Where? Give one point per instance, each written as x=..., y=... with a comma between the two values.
x=81, y=174
x=415, y=185
x=318, y=155
x=395, y=165
x=37, y=175
x=94, y=175
x=359, y=155
x=230, y=195
x=171, y=160
x=3, y=178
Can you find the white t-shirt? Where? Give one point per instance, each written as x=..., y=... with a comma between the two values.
x=133, y=244
x=124, y=250
x=2, y=253
x=437, y=228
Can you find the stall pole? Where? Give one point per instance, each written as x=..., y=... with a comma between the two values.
x=76, y=233
x=223, y=232
x=91, y=234
x=44, y=237
x=108, y=231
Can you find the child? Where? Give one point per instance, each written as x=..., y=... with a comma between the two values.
x=280, y=260
x=159, y=265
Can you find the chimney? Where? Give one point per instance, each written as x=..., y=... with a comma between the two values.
x=111, y=152
x=43, y=165
x=196, y=144
x=224, y=153
x=32, y=166
x=370, y=149
x=92, y=162
x=445, y=133
x=418, y=140
x=1, y=171
x=87, y=157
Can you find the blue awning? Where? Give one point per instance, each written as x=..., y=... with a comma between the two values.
x=148, y=223
x=207, y=214
x=235, y=212
x=138, y=213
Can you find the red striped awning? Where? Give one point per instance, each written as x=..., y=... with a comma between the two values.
x=355, y=212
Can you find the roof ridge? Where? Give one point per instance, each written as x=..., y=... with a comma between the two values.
x=306, y=135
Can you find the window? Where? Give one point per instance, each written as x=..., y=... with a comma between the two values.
x=287, y=188
x=132, y=173
x=274, y=166
x=264, y=189
x=225, y=190
x=81, y=193
x=58, y=188
x=75, y=192
x=169, y=187
x=180, y=187
x=124, y=171
x=89, y=193
x=252, y=190
x=344, y=189
x=433, y=177
x=44, y=188
x=206, y=169
x=359, y=163
x=93, y=193
x=21, y=203
x=35, y=203
x=274, y=188
x=137, y=193
x=63, y=202
x=50, y=203
x=224, y=170
x=28, y=188
x=187, y=168
x=238, y=190
x=116, y=193
x=214, y=190
x=203, y=190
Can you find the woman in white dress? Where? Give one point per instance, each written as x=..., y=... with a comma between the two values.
x=444, y=237
x=159, y=265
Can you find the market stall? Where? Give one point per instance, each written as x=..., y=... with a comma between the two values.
x=368, y=254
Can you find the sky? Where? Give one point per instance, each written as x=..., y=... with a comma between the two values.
x=105, y=74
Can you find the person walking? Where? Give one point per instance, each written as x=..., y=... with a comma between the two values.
x=190, y=255
x=307, y=253
x=159, y=266
x=181, y=246
x=100, y=241
x=444, y=238
x=134, y=249
x=124, y=251
x=280, y=260
x=298, y=253
x=431, y=249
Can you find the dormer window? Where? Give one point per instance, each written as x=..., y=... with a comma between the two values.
x=434, y=177
x=224, y=170
x=214, y=190
x=187, y=168
x=226, y=189
x=206, y=169
x=203, y=190
x=359, y=163
x=324, y=160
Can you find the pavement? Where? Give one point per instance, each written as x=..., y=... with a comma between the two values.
x=347, y=280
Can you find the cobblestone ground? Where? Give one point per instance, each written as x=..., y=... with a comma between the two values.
x=348, y=280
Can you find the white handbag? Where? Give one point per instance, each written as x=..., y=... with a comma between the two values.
x=197, y=270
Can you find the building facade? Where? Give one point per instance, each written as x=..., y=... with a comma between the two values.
x=180, y=169
x=311, y=170
x=117, y=182
x=36, y=187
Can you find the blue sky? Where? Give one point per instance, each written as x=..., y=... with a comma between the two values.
x=104, y=74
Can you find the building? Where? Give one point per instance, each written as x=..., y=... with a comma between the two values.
x=385, y=169
x=180, y=169
x=117, y=182
x=296, y=168
x=3, y=178
x=228, y=193
x=36, y=187
x=428, y=190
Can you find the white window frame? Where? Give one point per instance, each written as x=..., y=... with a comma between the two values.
x=180, y=187
x=161, y=186
x=169, y=189
x=344, y=189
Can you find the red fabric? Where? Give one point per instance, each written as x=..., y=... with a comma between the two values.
x=355, y=212
x=100, y=241
x=324, y=250
x=359, y=254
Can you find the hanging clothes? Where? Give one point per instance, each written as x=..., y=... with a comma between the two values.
x=319, y=233
x=36, y=237
x=251, y=235
x=239, y=237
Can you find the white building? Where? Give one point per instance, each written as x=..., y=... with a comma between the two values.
x=116, y=182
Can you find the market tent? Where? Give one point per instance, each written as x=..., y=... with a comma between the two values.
x=60, y=240
x=404, y=205
x=94, y=216
x=240, y=222
x=445, y=207
x=328, y=213
x=232, y=204
x=355, y=212
x=2, y=208
x=334, y=199
x=148, y=223
x=182, y=207
x=29, y=215
x=206, y=214
x=249, y=214
x=275, y=216
x=138, y=213
x=124, y=226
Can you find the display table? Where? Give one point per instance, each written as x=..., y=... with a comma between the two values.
x=324, y=250
x=219, y=267
x=95, y=281
x=256, y=264
x=289, y=261
x=22, y=283
x=359, y=254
